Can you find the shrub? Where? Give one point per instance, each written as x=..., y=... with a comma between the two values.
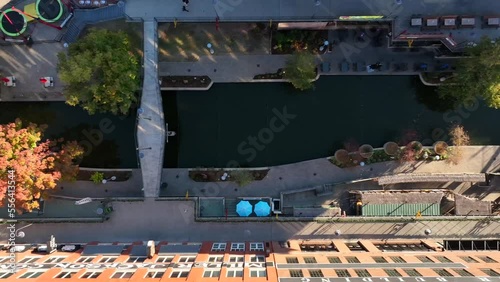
x=97, y=177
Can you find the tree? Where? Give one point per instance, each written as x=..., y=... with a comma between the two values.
x=101, y=73
x=33, y=166
x=459, y=138
x=478, y=75
x=300, y=70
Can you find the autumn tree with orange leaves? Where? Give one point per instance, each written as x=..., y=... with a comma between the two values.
x=32, y=165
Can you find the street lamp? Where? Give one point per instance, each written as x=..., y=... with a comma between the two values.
x=21, y=234
x=112, y=178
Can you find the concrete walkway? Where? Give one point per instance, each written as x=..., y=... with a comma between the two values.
x=239, y=10
x=174, y=221
x=321, y=171
x=243, y=68
x=280, y=178
x=151, y=124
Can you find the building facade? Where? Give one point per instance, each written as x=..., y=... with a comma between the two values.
x=290, y=261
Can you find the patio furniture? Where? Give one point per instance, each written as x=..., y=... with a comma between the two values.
x=9, y=81
x=244, y=208
x=262, y=209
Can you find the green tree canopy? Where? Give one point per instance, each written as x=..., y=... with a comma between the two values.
x=300, y=70
x=478, y=75
x=101, y=72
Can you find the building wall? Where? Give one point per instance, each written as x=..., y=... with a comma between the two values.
x=332, y=259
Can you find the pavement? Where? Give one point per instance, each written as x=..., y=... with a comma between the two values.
x=151, y=123
x=320, y=171
x=174, y=221
x=239, y=10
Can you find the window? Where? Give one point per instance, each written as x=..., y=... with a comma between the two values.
x=379, y=259
x=234, y=273
x=412, y=272
x=179, y=274
x=469, y=259
x=5, y=275
x=462, y=272
x=211, y=273
x=292, y=260
x=54, y=259
x=392, y=273
x=443, y=259
x=257, y=247
x=342, y=273
x=424, y=259
x=310, y=260
x=136, y=259
x=237, y=247
x=236, y=259
x=154, y=274
x=352, y=259
x=215, y=258
x=122, y=274
x=91, y=274
x=186, y=259
x=487, y=259
x=32, y=274
x=163, y=259
x=398, y=260
x=296, y=273
x=85, y=259
x=107, y=259
x=66, y=274
x=257, y=259
x=355, y=247
x=29, y=260
x=258, y=273
x=362, y=273
x=490, y=272
x=334, y=260
x=216, y=247
x=442, y=272
x=316, y=273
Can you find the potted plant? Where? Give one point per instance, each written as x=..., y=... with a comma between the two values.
x=391, y=148
x=366, y=151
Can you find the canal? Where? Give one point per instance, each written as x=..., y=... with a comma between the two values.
x=109, y=140
x=265, y=124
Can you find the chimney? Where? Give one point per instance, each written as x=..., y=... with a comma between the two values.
x=151, y=249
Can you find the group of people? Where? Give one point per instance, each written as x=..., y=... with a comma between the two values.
x=185, y=4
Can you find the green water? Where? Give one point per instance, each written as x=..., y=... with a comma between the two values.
x=213, y=127
x=108, y=140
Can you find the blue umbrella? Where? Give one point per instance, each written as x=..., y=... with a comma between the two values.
x=262, y=209
x=244, y=208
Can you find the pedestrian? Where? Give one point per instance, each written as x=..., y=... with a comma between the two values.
x=185, y=4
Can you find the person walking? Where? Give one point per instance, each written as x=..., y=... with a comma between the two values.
x=185, y=4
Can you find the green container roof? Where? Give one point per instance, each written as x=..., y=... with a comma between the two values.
x=401, y=209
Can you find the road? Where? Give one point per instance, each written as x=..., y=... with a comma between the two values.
x=174, y=221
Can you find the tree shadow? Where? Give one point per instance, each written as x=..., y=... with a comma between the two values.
x=429, y=97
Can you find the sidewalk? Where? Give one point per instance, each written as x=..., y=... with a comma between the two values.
x=173, y=221
x=243, y=68
x=321, y=171
x=82, y=189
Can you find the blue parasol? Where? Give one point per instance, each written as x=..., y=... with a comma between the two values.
x=244, y=208
x=262, y=209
